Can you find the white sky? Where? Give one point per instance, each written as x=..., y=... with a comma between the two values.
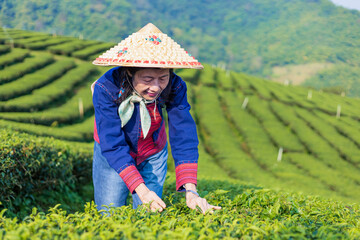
x=352, y=4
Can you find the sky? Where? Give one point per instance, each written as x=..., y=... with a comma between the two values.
x=351, y=4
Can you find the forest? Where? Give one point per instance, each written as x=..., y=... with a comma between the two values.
x=245, y=36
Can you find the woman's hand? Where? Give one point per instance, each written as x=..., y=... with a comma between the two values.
x=147, y=196
x=192, y=200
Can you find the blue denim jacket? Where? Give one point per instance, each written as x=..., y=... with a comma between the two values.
x=117, y=143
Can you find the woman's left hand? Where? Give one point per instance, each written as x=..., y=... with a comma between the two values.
x=192, y=200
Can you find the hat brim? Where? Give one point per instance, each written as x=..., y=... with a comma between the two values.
x=198, y=65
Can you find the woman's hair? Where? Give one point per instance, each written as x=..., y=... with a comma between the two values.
x=125, y=79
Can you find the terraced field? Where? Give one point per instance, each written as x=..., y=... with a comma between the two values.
x=44, y=89
x=252, y=131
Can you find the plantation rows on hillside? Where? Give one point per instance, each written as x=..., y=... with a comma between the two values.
x=255, y=120
x=244, y=123
x=251, y=131
x=86, y=50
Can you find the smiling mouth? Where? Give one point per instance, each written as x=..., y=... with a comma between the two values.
x=152, y=94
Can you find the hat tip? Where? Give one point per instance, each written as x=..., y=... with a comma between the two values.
x=149, y=28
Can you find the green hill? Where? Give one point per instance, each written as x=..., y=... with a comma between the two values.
x=254, y=135
x=261, y=37
x=47, y=94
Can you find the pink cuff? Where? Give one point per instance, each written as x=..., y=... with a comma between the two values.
x=185, y=173
x=131, y=177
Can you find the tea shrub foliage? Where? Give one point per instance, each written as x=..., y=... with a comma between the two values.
x=31, y=165
x=247, y=212
x=243, y=124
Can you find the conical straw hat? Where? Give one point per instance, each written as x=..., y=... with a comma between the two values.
x=148, y=47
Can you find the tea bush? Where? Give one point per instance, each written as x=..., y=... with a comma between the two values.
x=260, y=86
x=35, y=80
x=30, y=165
x=91, y=50
x=69, y=47
x=313, y=142
x=29, y=65
x=80, y=132
x=247, y=213
x=66, y=113
x=283, y=137
x=240, y=82
x=264, y=153
x=224, y=79
x=207, y=77
x=42, y=97
x=346, y=148
x=331, y=178
x=22, y=43
x=208, y=166
x=43, y=44
x=4, y=49
x=222, y=140
x=296, y=96
x=342, y=126
x=278, y=91
x=14, y=56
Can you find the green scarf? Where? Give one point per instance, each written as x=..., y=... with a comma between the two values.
x=126, y=110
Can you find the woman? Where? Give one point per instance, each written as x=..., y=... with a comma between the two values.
x=130, y=150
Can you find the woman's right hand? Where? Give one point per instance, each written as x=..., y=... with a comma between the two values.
x=147, y=196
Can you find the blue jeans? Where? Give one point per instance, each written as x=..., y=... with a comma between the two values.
x=109, y=188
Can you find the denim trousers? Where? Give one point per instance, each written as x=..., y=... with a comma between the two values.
x=110, y=189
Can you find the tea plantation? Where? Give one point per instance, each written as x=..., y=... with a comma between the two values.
x=255, y=135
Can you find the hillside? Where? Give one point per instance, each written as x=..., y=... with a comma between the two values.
x=255, y=135
x=255, y=37
x=245, y=123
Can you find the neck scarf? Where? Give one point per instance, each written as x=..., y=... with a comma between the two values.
x=126, y=110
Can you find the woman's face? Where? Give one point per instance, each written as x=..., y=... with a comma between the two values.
x=150, y=82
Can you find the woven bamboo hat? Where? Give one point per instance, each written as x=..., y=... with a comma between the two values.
x=148, y=47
